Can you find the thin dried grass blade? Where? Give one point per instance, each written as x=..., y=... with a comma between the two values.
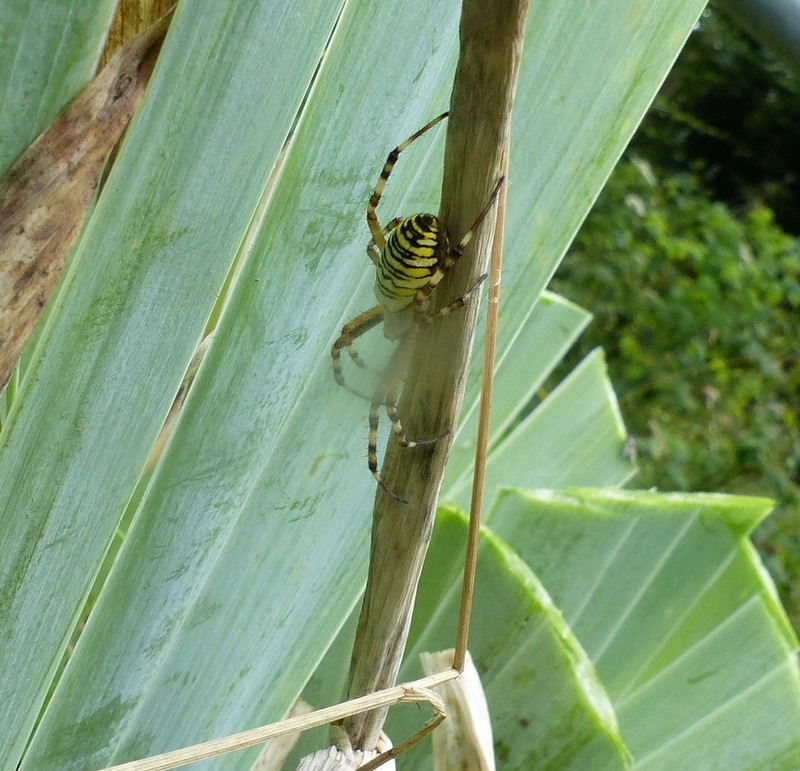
x=274, y=755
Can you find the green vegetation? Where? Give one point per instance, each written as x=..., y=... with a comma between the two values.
x=731, y=116
x=247, y=549
x=697, y=300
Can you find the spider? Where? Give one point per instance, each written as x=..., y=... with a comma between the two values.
x=411, y=256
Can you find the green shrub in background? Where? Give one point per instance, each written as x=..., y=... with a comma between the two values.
x=698, y=309
x=731, y=116
x=694, y=282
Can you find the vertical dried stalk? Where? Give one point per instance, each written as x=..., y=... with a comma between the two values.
x=482, y=439
x=491, y=36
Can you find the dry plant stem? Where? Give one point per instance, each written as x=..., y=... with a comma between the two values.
x=428, y=728
x=418, y=690
x=491, y=35
x=275, y=753
x=482, y=442
x=460, y=654
x=44, y=197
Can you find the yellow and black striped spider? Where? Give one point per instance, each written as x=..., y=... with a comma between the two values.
x=411, y=257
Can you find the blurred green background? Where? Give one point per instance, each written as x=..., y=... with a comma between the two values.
x=690, y=262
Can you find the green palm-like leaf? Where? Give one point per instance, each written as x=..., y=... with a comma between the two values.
x=664, y=594
x=670, y=602
x=668, y=599
x=574, y=434
x=549, y=709
x=141, y=286
x=248, y=547
x=540, y=344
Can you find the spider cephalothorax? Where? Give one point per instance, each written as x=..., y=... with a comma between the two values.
x=411, y=257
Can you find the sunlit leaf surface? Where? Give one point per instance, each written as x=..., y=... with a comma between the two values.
x=548, y=708
x=669, y=600
x=249, y=546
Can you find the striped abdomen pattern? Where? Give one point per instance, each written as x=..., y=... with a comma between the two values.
x=409, y=259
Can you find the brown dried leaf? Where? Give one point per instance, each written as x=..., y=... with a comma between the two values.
x=46, y=193
x=131, y=18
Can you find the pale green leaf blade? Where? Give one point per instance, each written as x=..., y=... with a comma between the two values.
x=266, y=433
x=548, y=709
x=541, y=343
x=575, y=433
x=48, y=52
x=207, y=544
x=132, y=308
x=669, y=600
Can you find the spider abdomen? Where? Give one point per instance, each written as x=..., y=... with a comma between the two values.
x=409, y=259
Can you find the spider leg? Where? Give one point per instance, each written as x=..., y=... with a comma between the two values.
x=387, y=393
x=354, y=355
x=372, y=445
x=350, y=333
x=456, y=251
x=459, y=302
x=372, y=249
x=372, y=217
